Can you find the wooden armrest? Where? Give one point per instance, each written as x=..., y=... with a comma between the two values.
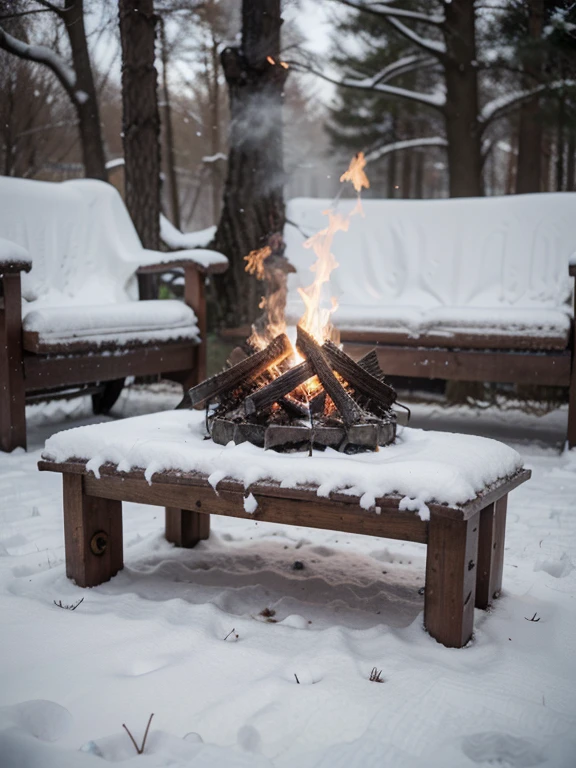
x=204, y=261
x=13, y=266
x=13, y=258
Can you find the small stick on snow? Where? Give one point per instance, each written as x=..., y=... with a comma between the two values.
x=229, y=633
x=296, y=676
x=140, y=749
x=534, y=619
x=71, y=607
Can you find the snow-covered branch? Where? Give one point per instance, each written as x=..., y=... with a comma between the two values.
x=403, y=66
x=42, y=55
x=434, y=47
x=383, y=9
x=501, y=106
x=435, y=100
x=396, y=146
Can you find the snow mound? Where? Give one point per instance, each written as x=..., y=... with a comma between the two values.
x=45, y=720
x=175, y=239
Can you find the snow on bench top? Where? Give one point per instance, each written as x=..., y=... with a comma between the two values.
x=420, y=466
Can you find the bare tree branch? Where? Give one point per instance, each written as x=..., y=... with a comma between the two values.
x=51, y=7
x=24, y=13
x=381, y=9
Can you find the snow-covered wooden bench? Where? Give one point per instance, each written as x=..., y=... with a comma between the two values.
x=445, y=490
x=69, y=262
x=463, y=289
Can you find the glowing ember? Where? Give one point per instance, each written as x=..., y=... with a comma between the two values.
x=255, y=261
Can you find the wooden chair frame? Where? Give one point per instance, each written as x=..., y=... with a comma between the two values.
x=26, y=376
x=462, y=362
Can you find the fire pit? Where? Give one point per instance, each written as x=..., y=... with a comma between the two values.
x=326, y=400
x=311, y=395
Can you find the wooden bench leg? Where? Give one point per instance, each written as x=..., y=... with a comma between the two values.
x=92, y=535
x=185, y=528
x=491, y=552
x=451, y=579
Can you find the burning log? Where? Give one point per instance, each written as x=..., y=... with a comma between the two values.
x=283, y=385
x=243, y=372
x=358, y=376
x=349, y=411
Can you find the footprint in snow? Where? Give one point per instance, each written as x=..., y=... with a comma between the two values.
x=502, y=749
x=559, y=568
x=43, y=719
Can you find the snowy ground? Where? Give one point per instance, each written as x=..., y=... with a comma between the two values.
x=152, y=639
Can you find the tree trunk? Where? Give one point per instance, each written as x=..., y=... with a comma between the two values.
x=253, y=206
x=215, y=131
x=86, y=102
x=529, y=166
x=570, y=175
x=169, y=135
x=462, y=124
x=560, y=144
x=140, y=119
x=419, y=176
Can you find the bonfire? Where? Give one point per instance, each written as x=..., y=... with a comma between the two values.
x=304, y=393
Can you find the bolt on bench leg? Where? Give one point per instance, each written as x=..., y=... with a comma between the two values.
x=92, y=535
x=451, y=579
x=185, y=528
x=491, y=552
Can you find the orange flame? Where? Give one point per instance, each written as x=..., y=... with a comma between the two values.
x=255, y=261
x=355, y=173
x=316, y=319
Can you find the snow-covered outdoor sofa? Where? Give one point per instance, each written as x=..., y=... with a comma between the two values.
x=465, y=289
x=69, y=317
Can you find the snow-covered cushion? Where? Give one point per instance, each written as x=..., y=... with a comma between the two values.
x=83, y=245
x=488, y=266
x=105, y=325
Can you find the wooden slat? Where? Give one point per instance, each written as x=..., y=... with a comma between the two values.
x=551, y=368
x=329, y=515
x=46, y=372
x=457, y=340
x=167, y=266
x=309, y=494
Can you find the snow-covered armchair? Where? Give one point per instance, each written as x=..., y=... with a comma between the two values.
x=471, y=289
x=69, y=315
